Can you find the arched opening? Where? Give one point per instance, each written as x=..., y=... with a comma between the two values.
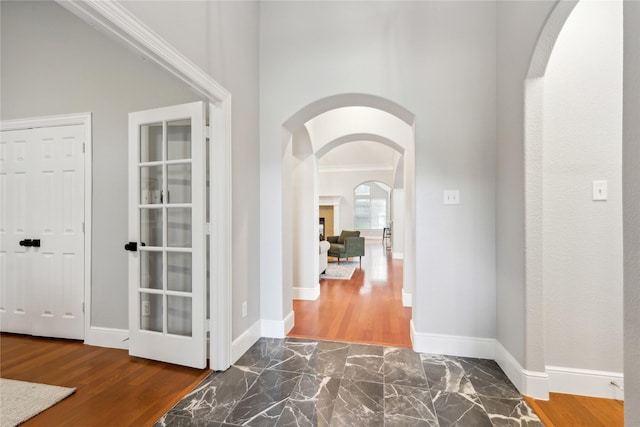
x=312, y=134
x=573, y=138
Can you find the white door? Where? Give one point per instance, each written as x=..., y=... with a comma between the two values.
x=167, y=231
x=42, y=236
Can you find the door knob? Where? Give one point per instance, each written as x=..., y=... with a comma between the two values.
x=131, y=246
x=27, y=243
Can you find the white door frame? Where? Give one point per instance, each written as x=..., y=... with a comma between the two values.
x=83, y=119
x=117, y=22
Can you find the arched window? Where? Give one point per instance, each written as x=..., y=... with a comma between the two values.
x=370, y=206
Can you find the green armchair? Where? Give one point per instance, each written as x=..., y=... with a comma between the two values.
x=348, y=244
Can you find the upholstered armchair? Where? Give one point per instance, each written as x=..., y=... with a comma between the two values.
x=348, y=244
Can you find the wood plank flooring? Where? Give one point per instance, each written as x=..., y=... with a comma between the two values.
x=112, y=387
x=578, y=411
x=365, y=309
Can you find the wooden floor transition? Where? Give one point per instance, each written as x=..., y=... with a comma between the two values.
x=113, y=389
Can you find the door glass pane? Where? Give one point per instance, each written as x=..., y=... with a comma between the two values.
x=151, y=142
x=151, y=312
x=179, y=227
x=179, y=183
x=151, y=270
x=150, y=185
x=151, y=227
x=179, y=139
x=179, y=315
x=179, y=271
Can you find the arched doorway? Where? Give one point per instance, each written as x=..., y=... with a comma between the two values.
x=307, y=138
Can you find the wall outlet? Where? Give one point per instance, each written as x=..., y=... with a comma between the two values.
x=244, y=309
x=146, y=308
x=451, y=197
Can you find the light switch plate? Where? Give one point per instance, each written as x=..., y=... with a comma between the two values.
x=451, y=197
x=600, y=190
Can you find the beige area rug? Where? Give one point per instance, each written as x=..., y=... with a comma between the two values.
x=20, y=400
x=342, y=271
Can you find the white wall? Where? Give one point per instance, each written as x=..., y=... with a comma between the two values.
x=582, y=248
x=54, y=63
x=342, y=183
x=222, y=39
x=631, y=171
x=437, y=59
x=518, y=25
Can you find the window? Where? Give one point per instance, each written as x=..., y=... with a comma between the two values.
x=370, y=206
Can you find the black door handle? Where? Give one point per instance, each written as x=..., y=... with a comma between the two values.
x=35, y=243
x=131, y=246
x=27, y=243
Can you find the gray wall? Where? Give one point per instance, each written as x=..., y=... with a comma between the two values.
x=437, y=59
x=54, y=63
x=582, y=247
x=518, y=26
x=631, y=180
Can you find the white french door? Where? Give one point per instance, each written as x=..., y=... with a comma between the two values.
x=167, y=280
x=41, y=231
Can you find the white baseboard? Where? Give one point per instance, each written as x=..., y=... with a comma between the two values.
x=244, y=342
x=278, y=328
x=453, y=345
x=309, y=294
x=407, y=299
x=107, y=337
x=530, y=383
x=397, y=255
x=585, y=382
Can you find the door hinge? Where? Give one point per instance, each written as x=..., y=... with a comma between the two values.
x=83, y=227
x=207, y=228
x=83, y=307
x=207, y=132
x=83, y=147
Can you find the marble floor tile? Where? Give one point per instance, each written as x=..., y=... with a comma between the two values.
x=293, y=355
x=215, y=397
x=460, y=410
x=265, y=400
x=170, y=420
x=403, y=366
x=259, y=355
x=445, y=374
x=299, y=383
x=329, y=359
x=365, y=363
x=359, y=403
x=311, y=403
x=404, y=404
x=510, y=412
x=487, y=378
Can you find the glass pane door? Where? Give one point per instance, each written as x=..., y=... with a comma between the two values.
x=168, y=287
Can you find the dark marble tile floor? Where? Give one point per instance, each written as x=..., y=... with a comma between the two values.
x=293, y=382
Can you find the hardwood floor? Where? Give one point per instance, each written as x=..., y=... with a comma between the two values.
x=365, y=309
x=578, y=411
x=112, y=387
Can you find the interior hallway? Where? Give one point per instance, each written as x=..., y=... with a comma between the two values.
x=365, y=309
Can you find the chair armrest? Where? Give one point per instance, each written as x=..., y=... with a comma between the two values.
x=332, y=239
